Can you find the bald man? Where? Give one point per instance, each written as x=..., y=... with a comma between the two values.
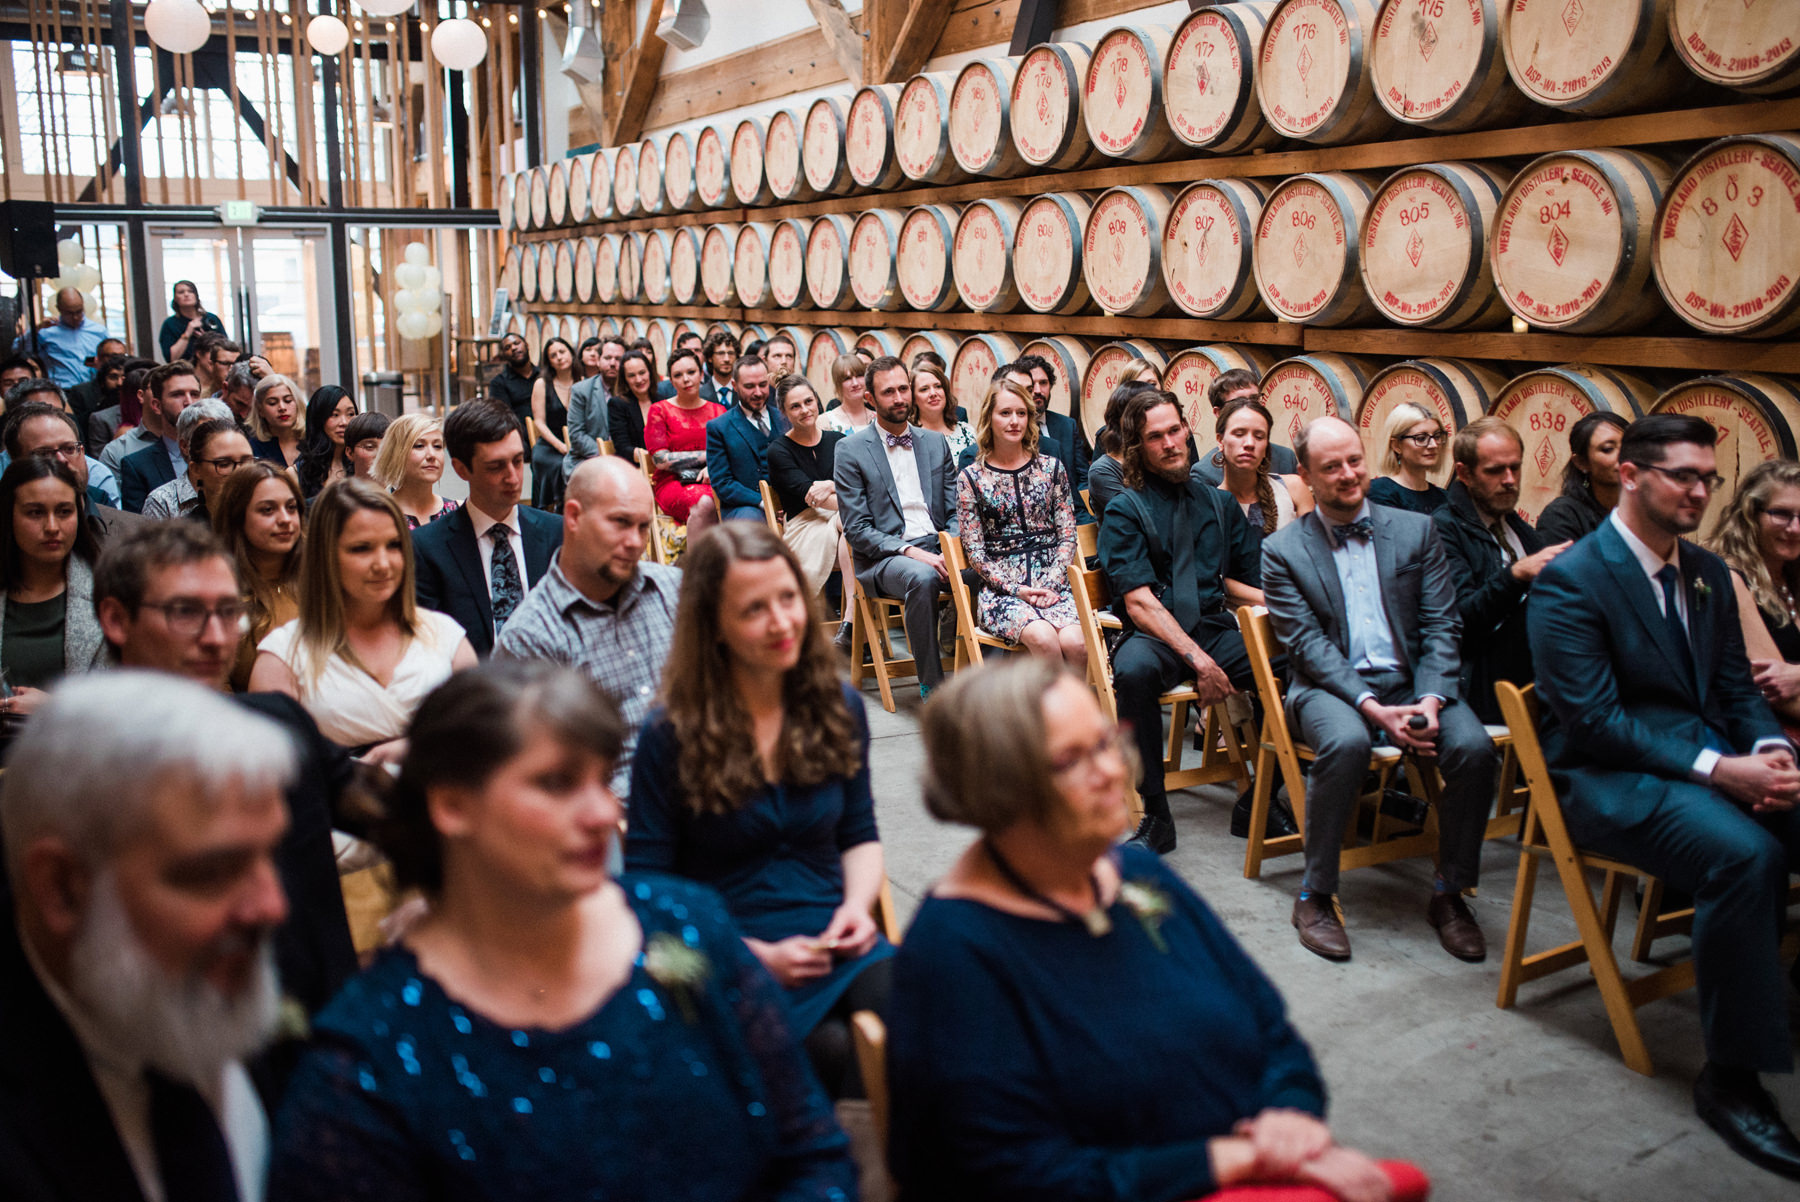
x=599, y=608
x=67, y=345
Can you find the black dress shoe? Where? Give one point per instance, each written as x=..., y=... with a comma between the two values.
x=1280, y=821
x=1155, y=832
x=1746, y=1118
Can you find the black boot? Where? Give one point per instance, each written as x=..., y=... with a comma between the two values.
x=1280, y=821
x=1157, y=832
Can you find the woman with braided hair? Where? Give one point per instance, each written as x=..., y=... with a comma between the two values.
x=1269, y=501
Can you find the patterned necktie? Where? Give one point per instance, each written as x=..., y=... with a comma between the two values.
x=898, y=440
x=191, y=1154
x=504, y=587
x=1361, y=528
x=1498, y=529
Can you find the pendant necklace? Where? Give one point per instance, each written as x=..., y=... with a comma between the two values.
x=1097, y=921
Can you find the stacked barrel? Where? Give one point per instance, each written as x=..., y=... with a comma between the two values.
x=1307, y=278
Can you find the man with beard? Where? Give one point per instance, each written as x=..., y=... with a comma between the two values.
x=1494, y=556
x=598, y=608
x=1667, y=757
x=136, y=975
x=512, y=384
x=588, y=404
x=720, y=350
x=778, y=353
x=1174, y=551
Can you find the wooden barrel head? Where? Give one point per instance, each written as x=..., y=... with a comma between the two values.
x=1047, y=127
x=521, y=200
x=556, y=187
x=1298, y=390
x=1544, y=405
x=584, y=269
x=875, y=259
x=940, y=344
x=922, y=130
x=538, y=199
x=1438, y=64
x=718, y=256
x=981, y=256
x=1191, y=374
x=749, y=185
x=1122, y=94
x=926, y=280
x=1756, y=417
x=684, y=264
x=1588, y=57
x=750, y=265
x=827, y=263
x=1308, y=249
x=816, y=358
x=606, y=268
x=661, y=333
x=625, y=181
x=1121, y=257
x=586, y=328
x=1105, y=367
x=981, y=119
x=679, y=194
x=1209, y=79
x=787, y=263
x=869, y=138
x=1749, y=46
x=973, y=366
x=1068, y=358
x=650, y=175
x=509, y=268
x=1312, y=73
x=1727, y=247
x=878, y=343
x=1424, y=246
x=1207, y=257
x=581, y=175
x=781, y=159
x=509, y=196
x=1046, y=253
x=822, y=147
x=546, y=289
x=528, y=271
x=565, y=270
x=658, y=249
x=1455, y=391
x=631, y=268
x=600, y=197
x=712, y=168
x=533, y=334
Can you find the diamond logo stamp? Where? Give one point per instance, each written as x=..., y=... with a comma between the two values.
x=1415, y=248
x=1736, y=234
x=1428, y=40
x=1559, y=244
x=1299, y=250
x=1571, y=16
x=1305, y=63
x=1544, y=457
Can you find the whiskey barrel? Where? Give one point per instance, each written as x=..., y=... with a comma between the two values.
x=509, y=197
x=1122, y=250
x=712, y=169
x=1748, y=46
x=802, y=337
x=973, y=366
x=684, y=264
x=982, y=256
x=922, y=130
x=1727, y=246
x=1591, y=58
x=787, y=263
x=822, y=147
x=1104, y=368
x=581, y=176
x=630, y=329
x=584, y=269
x=586, y=328
x=1571, y=244
x=869, y=138
x=1312, y=74
x=533, y=333
x=606, y=268
x=509, y=269
x=875, y=259
x=1425, y=256
x=926, y=280
x=631, y=268
x=753, y=332
x=661, y=333
x=609, y=327
x=1192, y=372
x=678, y=172
x=1439, y=65
x=750, y=265
x=521, y=200
x=1207, y=249
x=1544, y=405
x=816, y=358
x=749, y=183
x=659, y=248
x=718, y=255
x=981, y=119
x=528, y=271
x=565, y=270
x=1757, y=417
x=1308, y=249
x=1209, y=79
x=546, y=265
x=1068, y=356
x=1122, y=94
x=556, y=187
x=940, y=344
x=877, y=343
x=516, y=324
x=600, y=197
x=827, y=262
x=1047, y=127
x=1311, y=386
x=781, y=159
x=625, y=183
x=1046, y=253
x=650, y=176
x=1455, y=391
x=538, y=199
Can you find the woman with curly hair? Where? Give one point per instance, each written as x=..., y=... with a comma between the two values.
x=1269, y=501
x=1758, y=536
x=753, y=778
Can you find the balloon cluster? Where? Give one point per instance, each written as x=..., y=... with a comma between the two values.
x=81, y=276
x=419, y=299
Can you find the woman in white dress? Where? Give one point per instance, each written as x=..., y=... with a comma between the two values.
x=801, y=464
x=1269, y=501
x=360, y=657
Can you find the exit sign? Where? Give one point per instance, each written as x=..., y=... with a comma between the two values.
x=240, y=212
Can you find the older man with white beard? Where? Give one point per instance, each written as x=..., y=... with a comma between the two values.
x=140, y=817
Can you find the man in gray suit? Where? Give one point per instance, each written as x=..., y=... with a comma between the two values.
x=896, y=489
x=588, y=406
x=1364, y=600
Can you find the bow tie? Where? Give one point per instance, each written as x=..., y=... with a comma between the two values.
x=902, y=440
x=1360, y=528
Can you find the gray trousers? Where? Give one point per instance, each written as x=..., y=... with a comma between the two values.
x=916, y=587
x=1342, y=738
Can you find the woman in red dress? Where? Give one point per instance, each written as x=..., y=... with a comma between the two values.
x=675, y=436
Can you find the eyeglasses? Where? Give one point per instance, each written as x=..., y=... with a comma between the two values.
x=1686, y=477
x=1074, y=761
x=1783, y=517
x=188, y=618
x=229, y=463
x=1423, y=440
x=62, y=450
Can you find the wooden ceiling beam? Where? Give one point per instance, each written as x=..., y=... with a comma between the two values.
x=633, y=62
x=841, y=34
x=902, y=35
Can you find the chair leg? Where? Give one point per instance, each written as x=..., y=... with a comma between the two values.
x=1514, y=957
x=1261, y=797
x=1648, y=913
x=1605, y=967
x=1178, y=712
x=879, y=653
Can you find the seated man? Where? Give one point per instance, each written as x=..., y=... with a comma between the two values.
x=1174, y=552
x=45, y=430
x=1363, y=599
x=737, y=443
x=1238, y=384
x=1071, y=442
x=136, y=976
x=1494, y=556
x=170, y=389
x=896, y=489
x=1666, y=757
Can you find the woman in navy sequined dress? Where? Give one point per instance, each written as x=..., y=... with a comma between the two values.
x=546, y=1031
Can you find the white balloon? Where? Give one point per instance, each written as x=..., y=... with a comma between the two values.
x=85, y=276
x=178, y=26
x=434, y=324
x=417, y=253
x=409, y=276
x=413, y=326
x=90, y=303
x=430, y=299
x=326, y=34
x=69, y=252
x=384, y=8
x=459, y=44
x=406, y=300
x=433, y=277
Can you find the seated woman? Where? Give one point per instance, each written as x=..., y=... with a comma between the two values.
x=360, y=657
x=545, y=1031
x=557, y=378
x=179, y=496
x=1106, y=474
x=1758, y=535
x=323, y=457
x=410, y=464
x=675, y=436
x=1043, y=948
x=849, y=410
x=1017, y=517
x=1268, y=501
x=1590, y=483
x=277, y=427
x=754, y=779
x=259, y=519
x=1415, y=442
x=629, y=411
x=932, y=409
x=800, y=466
x=215, y=449
x=362, y=442
x=47, y=554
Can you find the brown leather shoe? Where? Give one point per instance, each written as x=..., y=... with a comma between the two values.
x=1320, y=931
x=1456, y=926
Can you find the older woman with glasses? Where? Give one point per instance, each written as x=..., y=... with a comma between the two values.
x=1758, y=536
x=1415, y=442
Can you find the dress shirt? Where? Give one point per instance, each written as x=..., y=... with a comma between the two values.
x=724, y=393
x=905, y=465
x=759, y=418
x=1365, y=618
x=128, y=443
x=65, y=350
x=171, y=500
x=177, y=460
x=484, y=544
x=1512, y=550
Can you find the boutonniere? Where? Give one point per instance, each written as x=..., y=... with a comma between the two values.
x=1702, y=591
x=1151, y=906
x=291, y=1022
x=679, y=969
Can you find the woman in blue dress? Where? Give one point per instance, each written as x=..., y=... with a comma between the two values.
x=546, y=1031
x=754, y=779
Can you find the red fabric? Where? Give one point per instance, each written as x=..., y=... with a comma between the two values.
x=1409, y=1185
x=669, y=427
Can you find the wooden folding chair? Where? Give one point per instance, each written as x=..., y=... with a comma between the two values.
x=886, y=917
x=667, y=535
x=1087, y=542
x=1224, y=747
x=871, y=619
x=771, y=511
x=606, y=446
x=970, y=637
x=869, y=1035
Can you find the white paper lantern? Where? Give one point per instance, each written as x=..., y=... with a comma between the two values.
x=69, y=252
x=178, y=26
x=459, y=44
x=90, y=303
x=384, y=8
x=413, y=326
x=409, y=276
x=327, y=34
x=417, y=253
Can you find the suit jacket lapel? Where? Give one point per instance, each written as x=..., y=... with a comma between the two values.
x=468, y=558
x=536, y=537
x=1325, y=568
x=1700, y=641
x=878, y=452
x=1638, y=592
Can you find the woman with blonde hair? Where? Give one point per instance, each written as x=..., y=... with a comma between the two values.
x=360, y=656
x=1016, y=511
x=277, y=420
x=934, y=408
x=1415, y=442
x=409, y=465
x=850, y=412
x=259, y=519
x=1758, y=537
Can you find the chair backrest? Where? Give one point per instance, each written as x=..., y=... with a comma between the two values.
x=771, y=514
x=1521, y=709
x=1091, y=596
x=1087, y=541
x=530, y=433
x=1261, y=641
x=886, y=917
x=954, y=563
x=606, y=446
x=869, y=1034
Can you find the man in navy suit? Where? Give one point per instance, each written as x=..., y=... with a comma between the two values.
x=171, y=388
x=477, y=563
x=720, y=350
x=1666, y=757
x=737, y=444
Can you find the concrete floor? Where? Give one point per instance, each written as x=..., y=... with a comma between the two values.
x=1531, y=1104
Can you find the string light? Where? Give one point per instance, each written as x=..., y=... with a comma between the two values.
x=485, y=24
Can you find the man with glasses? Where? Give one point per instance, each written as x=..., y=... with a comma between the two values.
x=46, y=430
x=68, y=344
x=1667, y=757
x=179, y=497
